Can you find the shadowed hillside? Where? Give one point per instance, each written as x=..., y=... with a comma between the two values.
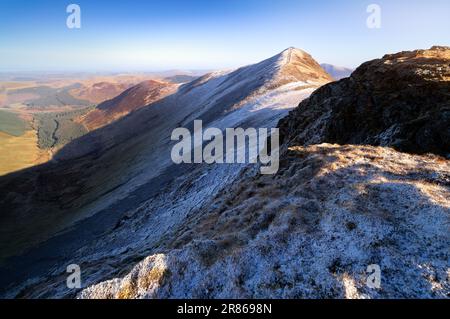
x=94, y=182
x=312, y=230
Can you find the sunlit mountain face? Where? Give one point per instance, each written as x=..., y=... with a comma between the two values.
x=226, y=150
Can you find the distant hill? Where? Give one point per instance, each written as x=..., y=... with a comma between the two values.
x=100, y=91
x=181, y=78
x=45, y=97
x=128, y=101
x=337, y=72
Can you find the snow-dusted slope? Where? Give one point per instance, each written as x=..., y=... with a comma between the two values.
x=333, y=213
x=125, y=193
x=310, y=231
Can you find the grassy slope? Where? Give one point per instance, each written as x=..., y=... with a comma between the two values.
x=21, y=146
x=18, y=144
x=12, y=124
x=19, y=152
x=44, y=96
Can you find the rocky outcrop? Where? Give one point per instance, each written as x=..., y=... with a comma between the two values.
x=100, y=91
x=401, y=100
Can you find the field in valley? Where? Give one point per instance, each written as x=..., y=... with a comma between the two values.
x=12, y=123
x=19, y=152
x=39, y=114
x=28, y=139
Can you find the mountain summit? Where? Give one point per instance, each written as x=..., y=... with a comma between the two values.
x=289, y=66
x=296, y=64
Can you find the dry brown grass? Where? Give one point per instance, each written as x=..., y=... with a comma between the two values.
x=131, y=287
x=154, y=276
x=128, y=291
x=17, y=153
x=18, y=85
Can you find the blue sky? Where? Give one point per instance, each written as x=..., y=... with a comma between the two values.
x=145, y=35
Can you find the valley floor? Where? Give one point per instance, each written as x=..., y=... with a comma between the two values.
x=20, y=152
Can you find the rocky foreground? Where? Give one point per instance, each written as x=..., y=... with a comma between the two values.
x=310, y=232
x=381, y=196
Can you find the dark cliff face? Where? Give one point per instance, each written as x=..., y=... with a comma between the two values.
x=401, y=101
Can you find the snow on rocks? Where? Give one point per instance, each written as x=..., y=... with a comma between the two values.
x=310, y=232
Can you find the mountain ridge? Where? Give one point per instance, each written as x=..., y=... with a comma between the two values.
x=313, y=230
x=95, y=182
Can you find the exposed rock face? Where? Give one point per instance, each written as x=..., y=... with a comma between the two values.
x=401, y=100
x=310, y=231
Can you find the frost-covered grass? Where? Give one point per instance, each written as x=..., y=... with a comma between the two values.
x=311, y=231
